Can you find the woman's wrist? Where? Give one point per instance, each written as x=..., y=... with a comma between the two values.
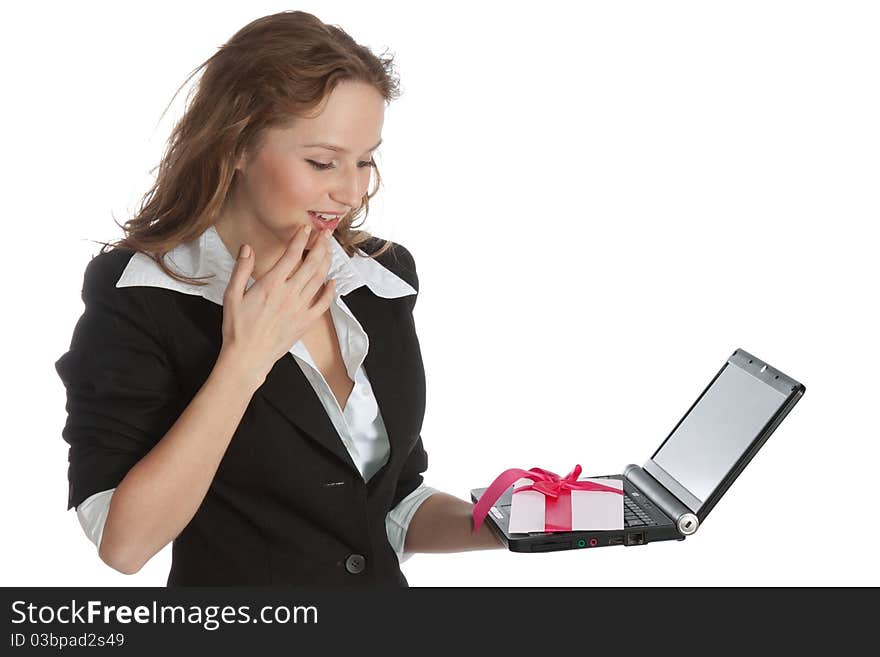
x=231, y=366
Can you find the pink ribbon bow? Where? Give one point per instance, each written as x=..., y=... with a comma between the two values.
x=556, y=490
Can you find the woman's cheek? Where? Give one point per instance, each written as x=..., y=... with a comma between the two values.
x=290, y=185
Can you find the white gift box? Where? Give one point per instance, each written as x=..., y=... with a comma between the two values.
x=590, y=510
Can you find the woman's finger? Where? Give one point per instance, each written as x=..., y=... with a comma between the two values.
x=241, y=272
x=290, y=262
x=322, y=303
x=311, y=266
x=310, y=289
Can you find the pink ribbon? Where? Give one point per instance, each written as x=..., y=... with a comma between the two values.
x=556, y=491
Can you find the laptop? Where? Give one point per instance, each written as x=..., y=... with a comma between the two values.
x=669, y=497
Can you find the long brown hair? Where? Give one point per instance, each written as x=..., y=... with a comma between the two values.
x=270, y=72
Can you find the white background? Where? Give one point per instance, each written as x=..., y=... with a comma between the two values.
x=604, y=201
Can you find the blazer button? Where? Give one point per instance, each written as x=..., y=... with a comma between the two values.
x=355, y=563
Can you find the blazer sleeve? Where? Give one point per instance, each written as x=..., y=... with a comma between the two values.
x=122, y=394
x=411, y=475
x=399, y=261
x=411, y=490
x=417, y=462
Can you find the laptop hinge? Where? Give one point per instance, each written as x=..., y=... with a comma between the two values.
x=685, y=521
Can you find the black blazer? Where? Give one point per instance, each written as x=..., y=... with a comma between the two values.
x=287, y=505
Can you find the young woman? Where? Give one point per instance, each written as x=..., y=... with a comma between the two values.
x=246, y=379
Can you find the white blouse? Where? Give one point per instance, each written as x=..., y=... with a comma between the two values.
x=359, y=425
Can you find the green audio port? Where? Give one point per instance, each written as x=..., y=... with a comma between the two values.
x=582, y=543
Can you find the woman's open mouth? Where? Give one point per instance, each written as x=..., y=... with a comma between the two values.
x=320, y=223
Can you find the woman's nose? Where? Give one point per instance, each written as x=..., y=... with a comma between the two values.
x=348, y=188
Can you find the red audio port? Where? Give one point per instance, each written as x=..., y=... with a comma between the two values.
x=594, y=542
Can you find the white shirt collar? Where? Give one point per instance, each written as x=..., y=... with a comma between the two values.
x=207, y=254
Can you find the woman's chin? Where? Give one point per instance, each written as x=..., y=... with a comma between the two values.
x=287, y=233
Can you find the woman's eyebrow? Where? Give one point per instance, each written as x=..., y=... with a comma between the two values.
x=333, y=147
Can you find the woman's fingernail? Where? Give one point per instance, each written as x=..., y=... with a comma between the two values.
x=244, y=251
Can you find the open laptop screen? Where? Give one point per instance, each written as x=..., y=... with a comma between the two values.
x=717, y=431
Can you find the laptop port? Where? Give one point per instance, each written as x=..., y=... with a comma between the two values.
x=615, y=540
x=550, y=546
x=635, y=538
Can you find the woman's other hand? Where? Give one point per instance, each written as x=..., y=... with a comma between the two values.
x=261, y=324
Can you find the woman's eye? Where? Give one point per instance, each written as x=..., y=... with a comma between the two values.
x=322, y=166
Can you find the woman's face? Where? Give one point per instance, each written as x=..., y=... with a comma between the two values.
x=290, y=174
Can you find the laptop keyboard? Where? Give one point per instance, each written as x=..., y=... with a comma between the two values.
x=634, y=516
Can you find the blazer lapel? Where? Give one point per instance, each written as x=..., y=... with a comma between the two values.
x=288, y=390
x=382, y=364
